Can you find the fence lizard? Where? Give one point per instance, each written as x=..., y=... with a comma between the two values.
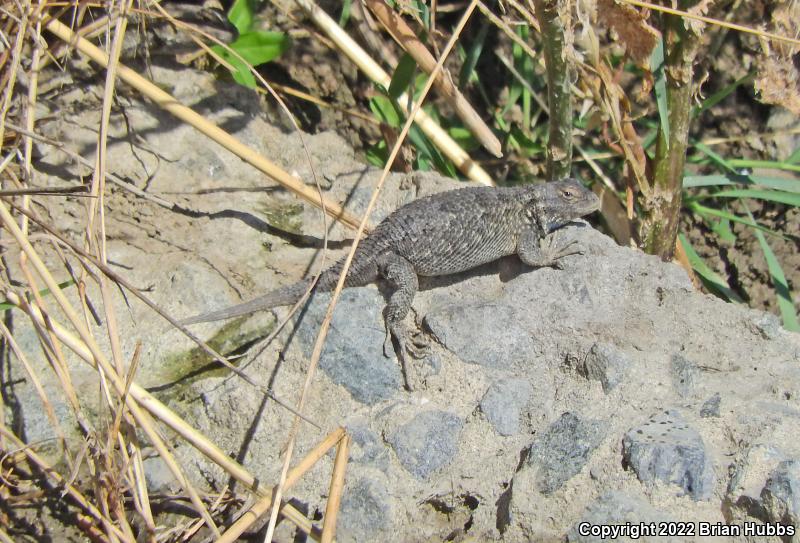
x=442, y=234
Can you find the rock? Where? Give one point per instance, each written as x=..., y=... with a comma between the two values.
x=781, y=494
x=353, y=353
x=617, y=509
x=158, y=475
x=503, y=403
x=502, y=339
x=666, y=449
x=684, y=375
x=368, y=447
x=427, y=442
x=606, y=364
x=366, y=510
x=710, y=407
x=766, y=486
x=561, y=451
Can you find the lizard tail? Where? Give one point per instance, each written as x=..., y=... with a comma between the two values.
x=283, y=296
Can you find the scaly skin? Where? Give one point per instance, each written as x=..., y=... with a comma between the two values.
x=445, y=233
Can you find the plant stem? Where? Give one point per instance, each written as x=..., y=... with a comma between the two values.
x=661, y=206
x=554, y=17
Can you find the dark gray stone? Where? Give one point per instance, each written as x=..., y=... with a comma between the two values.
x=710, y=407
x=562, y=450
x=353, y=353
x=503, y=403
x=366, y=511
x=427, y=442
x=749, y=479
x=666, y=449
x=616, y=509
x=781, y=494
x=369, y=449
x=502, y=341
x=684, y=374
x=605, y=363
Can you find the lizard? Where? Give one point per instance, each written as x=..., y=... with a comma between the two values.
x=442, y=234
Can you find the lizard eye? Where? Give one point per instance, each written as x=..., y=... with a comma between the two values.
x=568, y=194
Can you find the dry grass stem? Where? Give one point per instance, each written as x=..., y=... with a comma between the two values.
x=712, y=21
x=320, y=340
x=161, y=412
x=437, y=135
x=102, y=363
x=110, y=528
x=336, y=489
x=187, y=115
x=260, y=507
x=118, y=279
x=407, y=39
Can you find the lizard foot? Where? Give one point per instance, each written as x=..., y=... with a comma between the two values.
x=552, y=254
x=408, y=342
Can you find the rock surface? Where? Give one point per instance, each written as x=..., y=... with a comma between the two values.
x=603, y=344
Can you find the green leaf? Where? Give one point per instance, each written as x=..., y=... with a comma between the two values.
x=463, y=137
x=44, y=292
x=473, y=55
x=660, y=87
x=777, y=183
x=385, y=111
x=794, y=158
x=427, y=152
x=722, y=228
x=710, y=278
x=527, y=146
x=717, y=159
x=779, y=283
x=260, y=46
x=776, y=164
x=241, y=15
x=710, y=211
x=345, y=16
x=378, y=154
x=401, y=79
x=768, y=195
x=256, y=47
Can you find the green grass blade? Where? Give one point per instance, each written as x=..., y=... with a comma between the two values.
x=711, y=279
x=771, y=164
x=44, y=292
x=403, y=74
x=768, y=195
x=794, y=158
x=777, y=183
x=703, y=210
x=779, y=283
x=473, y=55
x=660, y=86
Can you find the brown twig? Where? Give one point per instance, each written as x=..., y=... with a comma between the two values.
x=407, y=39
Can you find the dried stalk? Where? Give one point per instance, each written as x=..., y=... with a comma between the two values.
x=320, y=340
x=407, y=39
x=187, y=115
x=354, y=52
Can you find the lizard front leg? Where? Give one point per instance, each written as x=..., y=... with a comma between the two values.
x=539, y=252
x=400, y=275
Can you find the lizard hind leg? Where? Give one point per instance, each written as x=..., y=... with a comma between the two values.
x=400, y=274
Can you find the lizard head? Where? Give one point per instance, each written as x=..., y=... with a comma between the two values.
x=564, y=201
